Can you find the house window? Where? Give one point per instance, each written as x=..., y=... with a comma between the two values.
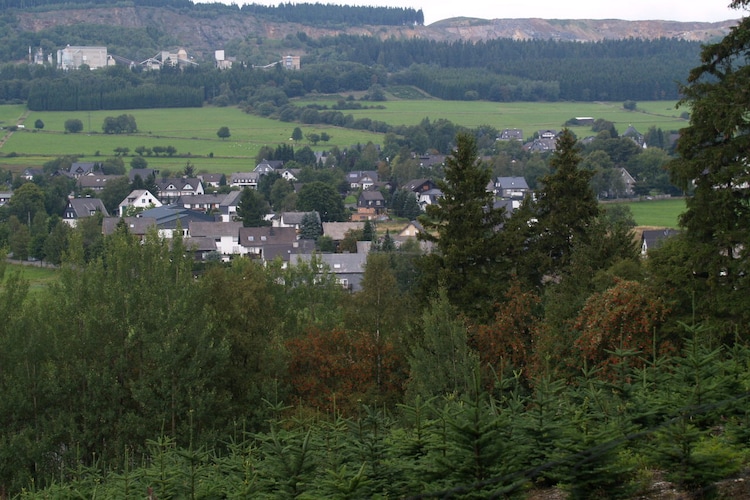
x=251, y=238
x=263, y=238
x=337, y=266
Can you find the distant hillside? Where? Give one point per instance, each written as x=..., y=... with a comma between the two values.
x=202, y=32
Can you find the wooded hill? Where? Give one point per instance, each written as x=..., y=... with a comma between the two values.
x=495, y=60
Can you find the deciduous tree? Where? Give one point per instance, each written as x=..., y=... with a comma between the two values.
x=223, y=133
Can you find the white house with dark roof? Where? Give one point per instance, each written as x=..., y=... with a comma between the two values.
x=212, y=180
x=255, y=239
x=228, y=206
x=292, y=219
x=361, y=179
x=78, y=169
x=80, y=208
x=653, y=238
x=29, y=173
x=224, y=235
x=511, y=134
x=268, y=166
x=429, y=197
x=511, y=187
x=635, y=136
x=244, y=179
x=348, y=268
x=209, y=203
x=5, y=197
x=170, y=190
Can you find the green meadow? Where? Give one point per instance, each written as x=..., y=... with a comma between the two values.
x=657, y=213
x=38, y=277
x=192, y=131
x=528, y=116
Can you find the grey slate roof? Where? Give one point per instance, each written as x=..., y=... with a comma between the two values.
x=214, y=229
x=136, y=225
x=167, y=216
x=85, y=207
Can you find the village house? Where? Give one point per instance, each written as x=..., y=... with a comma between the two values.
x=370, y=206
x=136, y=226
x=511, y=134
x=348, y=268
x=95, y=183
x=79, y=208
x=511, y=187
x=79, y=169
x=268, y=166
x=223, y=237
x=173, y=218
x=228, y=206
x=292, y=219
x=362, y=179
x=212, y=180
x=244, y=179
x=171, y=189
x=654, y=238
x=143, y=173
x=208, y=203
x=138, y=200
x=255, y=239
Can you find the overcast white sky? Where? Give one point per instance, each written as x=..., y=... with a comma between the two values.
x=436, y=10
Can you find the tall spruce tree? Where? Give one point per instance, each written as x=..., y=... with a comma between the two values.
x=565, y=206
x=252, y=209
x=465, y=227
x=713, y=162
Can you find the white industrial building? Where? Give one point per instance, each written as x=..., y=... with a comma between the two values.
x=73, y=57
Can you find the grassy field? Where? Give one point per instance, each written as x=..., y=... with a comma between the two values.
x=193, y=131
x=528, y=116
x=38, y=277
x=657, y=213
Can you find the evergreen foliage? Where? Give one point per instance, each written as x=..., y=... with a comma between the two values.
x=466, y=224
x=252, y=209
